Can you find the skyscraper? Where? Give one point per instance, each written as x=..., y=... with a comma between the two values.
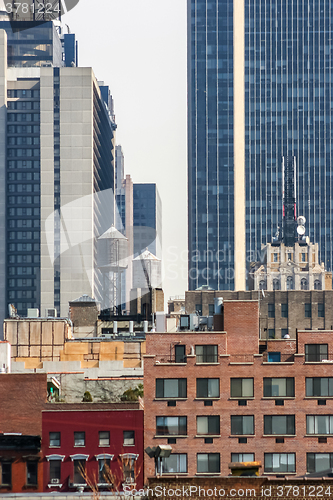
x=260, y=87
x=147, y=219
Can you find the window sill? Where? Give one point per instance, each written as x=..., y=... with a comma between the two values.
x=170, y=399
x=272, y=398
x=207, y=399
x=128, y=445
x=79, y=446
x=208, y=436
x=175, y=474
x=168, y=363
x=241, y=363
x=278, y=362
x=318, y=397
x=278, y=435
x=54, y=446
x=244, y=398
x=325, y=361
x=204, y=364
x=208, y=473
x=278, y=473
x=242, y=435
x=58, y=485
x=104, y=445
x=318, y=435
x=167, y=436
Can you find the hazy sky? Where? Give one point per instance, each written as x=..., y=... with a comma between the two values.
x=138, y=48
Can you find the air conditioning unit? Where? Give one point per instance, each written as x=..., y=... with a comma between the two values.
x=51, y=313
x=55, y=481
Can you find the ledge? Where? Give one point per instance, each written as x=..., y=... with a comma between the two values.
x=272, y=398
x=278, y=436
x=278, y=363
x=204, y=436
x=241, y=363
x=241, y=398
x=170, y=399
x=205, y=364
x=168, y=436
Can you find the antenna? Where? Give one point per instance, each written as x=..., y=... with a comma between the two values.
x=289, y=200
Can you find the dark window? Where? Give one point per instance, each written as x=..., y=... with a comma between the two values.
x=168, y=426
x=79, y=469
x=198, y=309
x=211, y=309
x=171, y=388
x=241, y=387
x=271, y=333
x=307, y=310
x=319, y=424
x=104, y=476
x=208, y=387
x=242, y=457
x=321, y=310
x=279, y=424
x=208, y=425
x=180, y=355
x=176, y=462
x=242, y=424
x=284, y=331
x=319, y=386
x=129, y=438
x=79, y=438
x=6, y=473
x=55, y=471
x=32, y=468
x=316, y=352
x=208, y=462
x=317, y=462
x=54, y=438
x=273, y=357
x=104, y=438
x=206, y=353
x=280, y=462
x=279, y=387
x=271, y=310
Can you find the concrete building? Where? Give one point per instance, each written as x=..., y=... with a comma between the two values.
x=57, y=171
x=147, y=219
x=280, y=312
x=215, y=399
x=259, y=81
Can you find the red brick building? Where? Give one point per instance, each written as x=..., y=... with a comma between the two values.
x=219, y=397
x=105, y=440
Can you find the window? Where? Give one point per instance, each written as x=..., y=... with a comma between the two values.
x=198, y=309
x=321, y=310
x=104, y=476
x=275, y=257
x=32, y=468
x=6, y=473
x=206, y=353
x=316, y=462
x=208, y=425
x=211, y=309
x=242, y=424
x=280, y=462
x=279, y=424
x=208, y=387
x=54, y=438
x=307, y=310
x=175, y=463
x=171, y=388
x=180, y=354
x=271, y=310
x=242, y=457
x=55, y=471
x=319, y=424
x=241, y=387
x=129, y=438
x=208, y=462
x=279, y=387
x=79, y=468
x=316, y=352
x=104, y=438
x=276, y=284
x=273, y=357
x=171, y=426
x=303, y=257
x=79, y=438
x=317, y=285
x=304, y=284
x=129, y=467
x=284, y=331
x=271, y=333
x=290, y=283
x=319, y=386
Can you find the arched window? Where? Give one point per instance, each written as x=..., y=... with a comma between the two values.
x=262, y=285
x=290, y=283
x=276, y=284
x=304, y=284
x=317, y=285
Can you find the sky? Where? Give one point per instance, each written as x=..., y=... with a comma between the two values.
x=138, y=48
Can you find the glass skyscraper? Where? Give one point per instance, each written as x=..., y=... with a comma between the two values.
x=260, y=87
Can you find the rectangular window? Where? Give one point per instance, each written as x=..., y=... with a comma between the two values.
x=271, y=310
x=79, y=438
x=208, y=425
x=317, y=462
x=171, y=388
x=211, y=309
x=55, y=471
x=279, y=424
x=208, y=462
x=241, y=387
x=284, y=331
x=54, y=438
x=198, y=309
x=171, y=426
x=79, y=468
x=319, y=386
x=180, y=354
x=271, y=333
x=129, y=438
x=321, y=310
x=307, y=310
x=242, y=424
x=32, y=468
x=6, y=473
x=316, y=352
x=280, y=462
x=175, y=463
x=208, y=387
x=104, y=438
x=319, y=424
x=242, y=457
x=284, y=310
x=273, y=357
x=206, y=353
x=104, y=476
x=279, y=387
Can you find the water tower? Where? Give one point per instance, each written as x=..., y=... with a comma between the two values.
x=112, y=253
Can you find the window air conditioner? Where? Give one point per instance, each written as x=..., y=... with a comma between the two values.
x=51, y=313
x=55, y=481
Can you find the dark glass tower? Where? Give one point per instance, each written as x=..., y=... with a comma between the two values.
x=279, y=91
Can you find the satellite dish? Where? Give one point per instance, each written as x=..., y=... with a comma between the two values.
x=301, y=230
x=301, y=220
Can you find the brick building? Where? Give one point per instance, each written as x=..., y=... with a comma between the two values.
x=216, y=400
x=280, y=312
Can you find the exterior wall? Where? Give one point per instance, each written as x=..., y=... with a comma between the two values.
x=91, y=419
x=19, y=472
x=3, y=147
x=241, y=321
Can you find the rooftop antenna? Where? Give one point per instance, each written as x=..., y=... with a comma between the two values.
x=289, y=200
